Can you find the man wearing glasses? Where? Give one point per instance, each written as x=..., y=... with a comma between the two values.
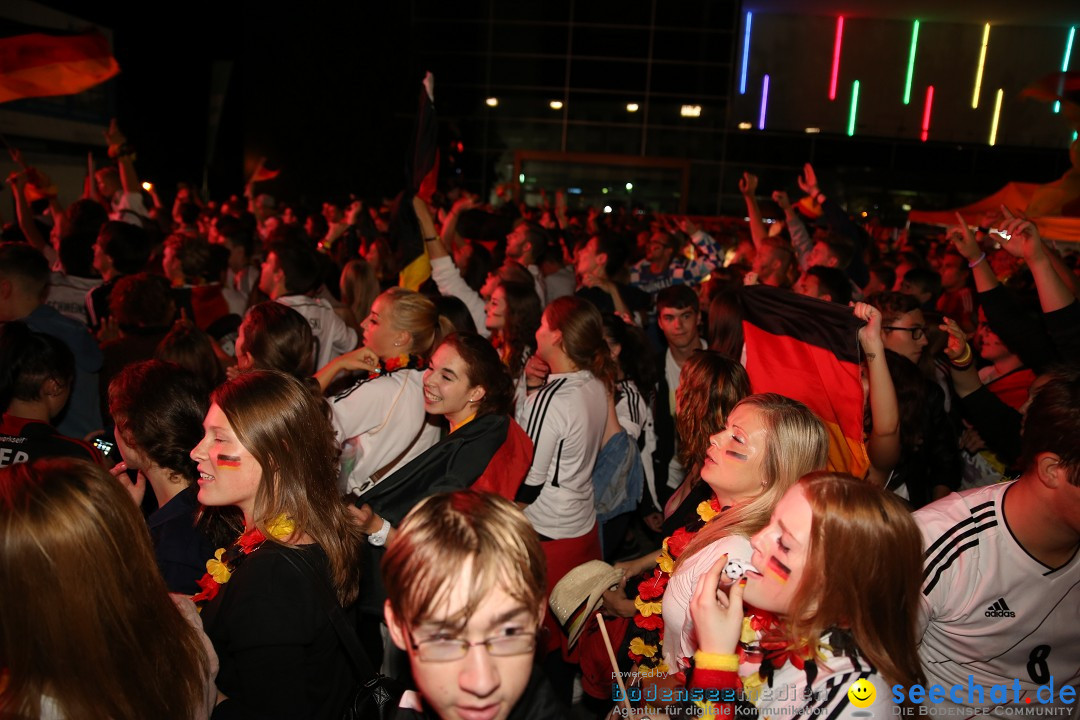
x=930, y=467
x=465, y=582
x=903, y=328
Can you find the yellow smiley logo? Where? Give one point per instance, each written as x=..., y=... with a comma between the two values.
x=862, y=693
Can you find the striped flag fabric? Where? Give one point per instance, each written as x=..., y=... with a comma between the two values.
x=41, y=64
x=421, y=175
x=808, y=350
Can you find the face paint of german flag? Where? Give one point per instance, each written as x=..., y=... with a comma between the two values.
x=778, y=569
x=228, y=462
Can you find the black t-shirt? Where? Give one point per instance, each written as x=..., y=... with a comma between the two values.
x=23, y=440
x=280, y=655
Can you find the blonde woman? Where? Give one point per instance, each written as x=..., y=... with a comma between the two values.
x=769, y=443
x=379, y=418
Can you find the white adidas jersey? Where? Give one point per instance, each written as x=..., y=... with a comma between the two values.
x=993, y=612
x=565, y=419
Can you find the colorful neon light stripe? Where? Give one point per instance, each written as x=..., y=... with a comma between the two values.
x=911, y=62
x=764, y=102
x=926, y=113
x=745, y=52
x=836, y=57
x=982, y=62
x=854, y=108
x=1065, y=62
x=997, y=116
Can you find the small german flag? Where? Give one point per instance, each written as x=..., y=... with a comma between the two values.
x=778, y=569
x=808, y=350
x=40, y=64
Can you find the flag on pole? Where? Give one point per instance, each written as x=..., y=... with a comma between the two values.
x=808, y=350
x=421, y=175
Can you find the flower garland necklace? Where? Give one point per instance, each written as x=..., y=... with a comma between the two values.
x=398, y=362
x=220, y=567
x=648, y=626
x=390, y=365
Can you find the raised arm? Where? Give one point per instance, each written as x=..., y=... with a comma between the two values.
x=748, y=186
x=839, y=223
x=883, y=442
x=124, y=155
x=1021, y=238
x=968, y=247
x=435, y=246
x=23, y=213
x=801, y=241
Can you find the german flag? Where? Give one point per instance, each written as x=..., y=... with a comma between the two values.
x=808, y=350
x=37, y=64
x=420, y=180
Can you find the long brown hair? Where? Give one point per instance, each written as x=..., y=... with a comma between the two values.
x=288, y=432
x=81, y=597
x=359, y=287
x=862, y=573
x=522, y=319
x=582, y=330
x=279, y=338
x=796, y=444
x=710, y=385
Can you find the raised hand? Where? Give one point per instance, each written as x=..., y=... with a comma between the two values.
x=964, y=241
x=781, y=198
x=808, y=181
x=355, y=210
x=1019, y=236
x=957, y=345
x=870, y=333
x=748, y=183
x=113, y=136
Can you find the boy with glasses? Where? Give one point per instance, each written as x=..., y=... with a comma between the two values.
x=465, y=581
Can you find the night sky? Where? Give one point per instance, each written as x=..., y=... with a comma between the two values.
x=325, y=91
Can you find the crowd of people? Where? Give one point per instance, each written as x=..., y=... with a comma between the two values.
x=241, y=404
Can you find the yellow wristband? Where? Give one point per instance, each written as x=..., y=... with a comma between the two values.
x=965, y=358
x=724, y=662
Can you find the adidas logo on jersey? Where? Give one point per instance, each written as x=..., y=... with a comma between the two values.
x=999, y=609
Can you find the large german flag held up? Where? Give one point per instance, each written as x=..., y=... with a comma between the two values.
x=808, y=350
x=36, y=64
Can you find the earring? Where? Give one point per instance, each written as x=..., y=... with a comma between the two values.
x=764, y=483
